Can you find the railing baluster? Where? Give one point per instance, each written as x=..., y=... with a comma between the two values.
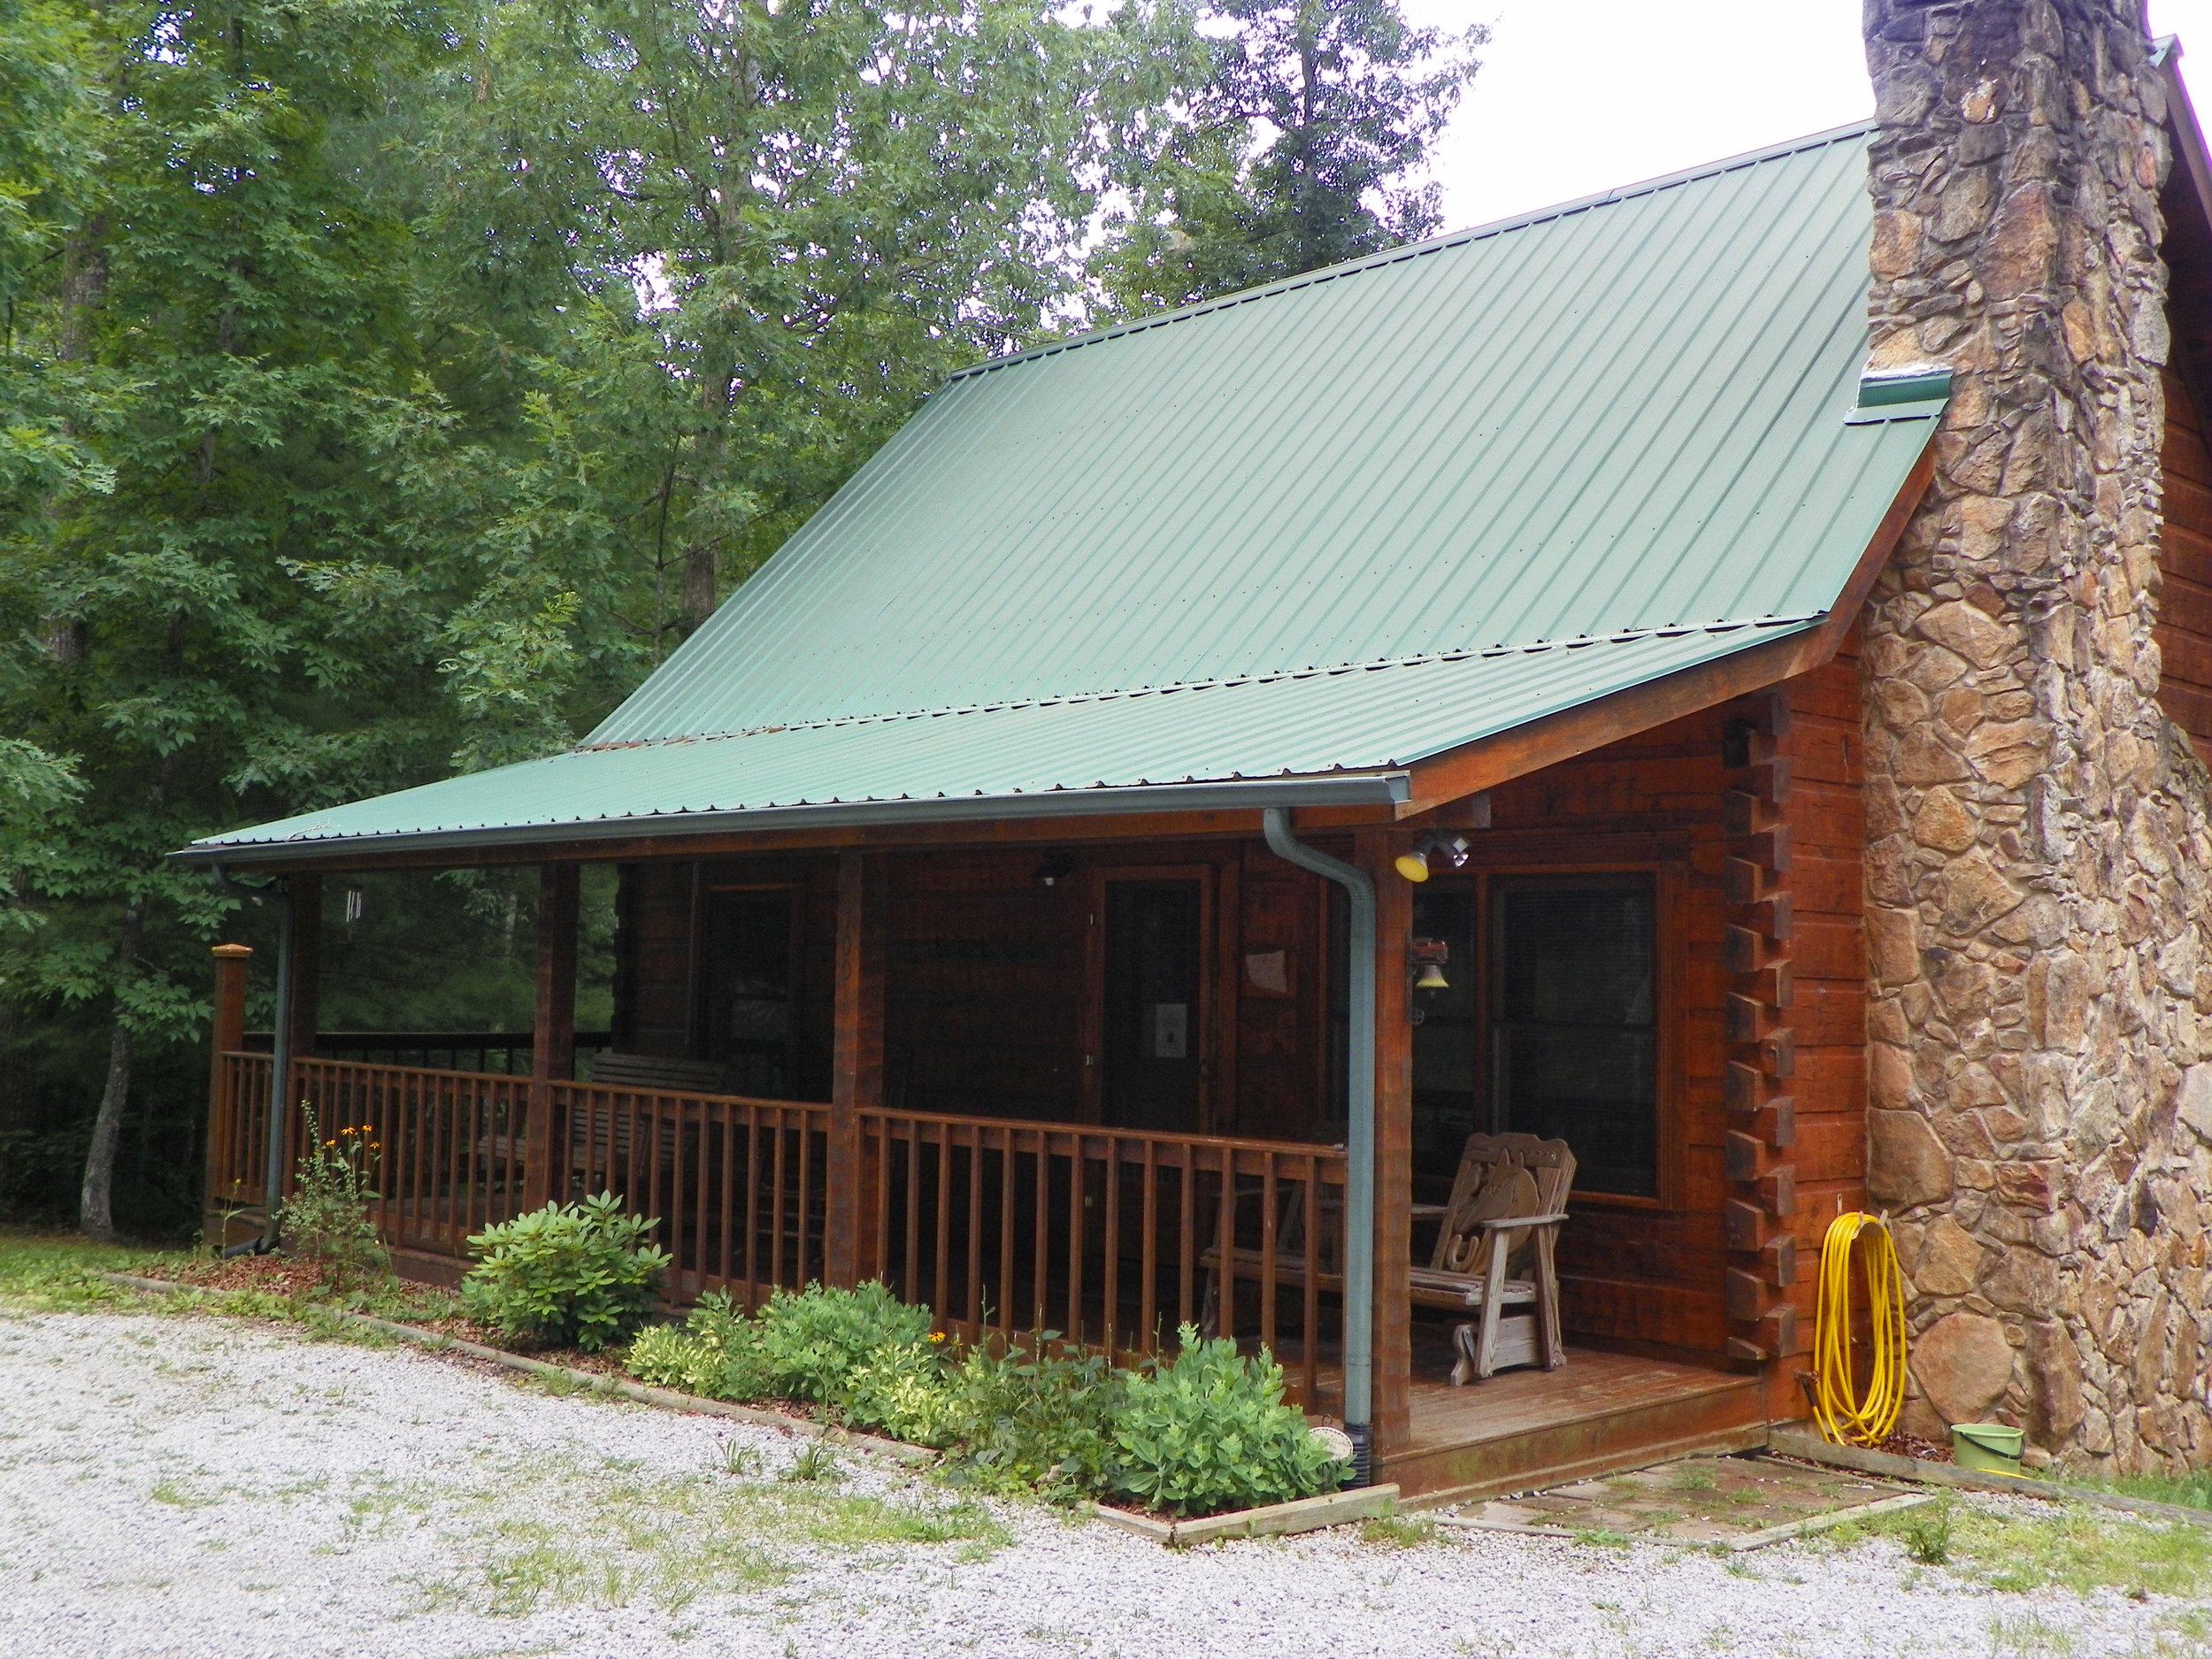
x=1309, y=1276
x=943, y=1257
x=1225, y=1248
x=1267, y=1251
x=1041, y=1248
x=1079, y=1169
x=1109, y=1244
x=1147, y=1290
x=975, y=1228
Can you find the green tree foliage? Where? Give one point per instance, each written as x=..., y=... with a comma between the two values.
x=387, y=385
x=1302, y=148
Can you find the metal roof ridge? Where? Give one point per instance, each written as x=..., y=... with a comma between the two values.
x=1269, y=676
x=1416, y=250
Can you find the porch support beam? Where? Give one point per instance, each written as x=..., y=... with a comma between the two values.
x=227, y=1035
x=856, y=1067
x=1394, y=1142
x=552, y=1026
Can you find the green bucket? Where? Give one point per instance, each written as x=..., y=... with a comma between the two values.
x=1992, y=1447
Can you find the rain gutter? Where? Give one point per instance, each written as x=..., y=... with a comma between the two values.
x=1390, y=789
x=1359, y=1144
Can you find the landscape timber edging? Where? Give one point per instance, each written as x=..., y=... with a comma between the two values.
x=1270, y=1520
x=1812, y=1450
x=595, y=1382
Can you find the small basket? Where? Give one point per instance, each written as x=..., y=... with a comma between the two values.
x=1992, y=1447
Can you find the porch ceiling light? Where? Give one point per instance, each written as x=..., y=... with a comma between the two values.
x=1056, y=868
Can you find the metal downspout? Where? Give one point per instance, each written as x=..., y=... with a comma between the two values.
x=1359, y=1147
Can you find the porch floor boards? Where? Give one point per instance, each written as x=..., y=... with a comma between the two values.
x=1597, y=1414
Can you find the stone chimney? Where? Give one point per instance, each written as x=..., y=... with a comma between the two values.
x=2038, y=852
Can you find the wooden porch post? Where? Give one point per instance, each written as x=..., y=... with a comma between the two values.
x=552, y=1026
x=301, y=1018
x=1393, y=1146
x=227, y=1035
x=856, y=1065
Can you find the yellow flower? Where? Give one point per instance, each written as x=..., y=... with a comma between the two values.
x=936, y=1336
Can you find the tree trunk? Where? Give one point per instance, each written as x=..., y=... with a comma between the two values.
x=95, y=1208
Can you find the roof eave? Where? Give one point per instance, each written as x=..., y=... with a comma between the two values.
x=1388, y=791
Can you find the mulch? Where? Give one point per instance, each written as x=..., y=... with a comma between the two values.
x=309, y=1281
x=1901, y=1444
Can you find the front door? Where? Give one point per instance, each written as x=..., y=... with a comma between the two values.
x=1150, y=1020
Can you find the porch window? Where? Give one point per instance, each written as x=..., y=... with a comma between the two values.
x=1574, y=1023
x=748, y=987
x=1549, y=1024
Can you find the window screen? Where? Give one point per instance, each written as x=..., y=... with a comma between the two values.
x=749, y=989
x=1574, y=1039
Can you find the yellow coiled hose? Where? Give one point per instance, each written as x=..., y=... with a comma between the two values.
x=1845, y=1418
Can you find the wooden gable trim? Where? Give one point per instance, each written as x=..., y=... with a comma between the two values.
x=1495, y=760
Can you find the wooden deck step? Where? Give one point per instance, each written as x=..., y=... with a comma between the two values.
x=1597, y=1414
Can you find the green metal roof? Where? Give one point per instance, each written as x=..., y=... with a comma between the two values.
x=1307, y=534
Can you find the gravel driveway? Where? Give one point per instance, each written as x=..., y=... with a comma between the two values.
x=190, y=1486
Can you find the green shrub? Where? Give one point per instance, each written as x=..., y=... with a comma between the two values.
x=325, y=1218
x=863, y=1353
x=1029, y=1418
x=715, y=1352
x=813, y=1344
x=579, y=1274
x=1208, y=1432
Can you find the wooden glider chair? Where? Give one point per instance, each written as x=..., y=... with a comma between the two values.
x=1496, y=1250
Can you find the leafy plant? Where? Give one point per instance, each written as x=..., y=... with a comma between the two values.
x=578, y=1274
x=326, y=1217
x=1028, y=1418
x=813, y=1344
x=1208, y=1432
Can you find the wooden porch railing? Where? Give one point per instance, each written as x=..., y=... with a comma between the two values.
x=1111, y=1238
x=737, y=1183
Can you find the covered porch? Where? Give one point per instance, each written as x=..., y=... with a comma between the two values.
x=1038, y=1080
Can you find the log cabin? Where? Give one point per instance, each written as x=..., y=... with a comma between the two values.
x=1016, y=875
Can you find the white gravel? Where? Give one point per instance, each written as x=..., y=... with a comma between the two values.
x=188, y=1485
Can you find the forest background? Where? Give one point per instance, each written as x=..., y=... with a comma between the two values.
x=389, y=385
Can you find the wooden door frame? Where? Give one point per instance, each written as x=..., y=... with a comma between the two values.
x=1212, y=888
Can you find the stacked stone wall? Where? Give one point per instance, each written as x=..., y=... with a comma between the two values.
x=2038, y=854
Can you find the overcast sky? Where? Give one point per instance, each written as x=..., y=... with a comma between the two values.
x=1577, y=96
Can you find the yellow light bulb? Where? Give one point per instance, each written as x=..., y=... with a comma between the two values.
x=1413, y=866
